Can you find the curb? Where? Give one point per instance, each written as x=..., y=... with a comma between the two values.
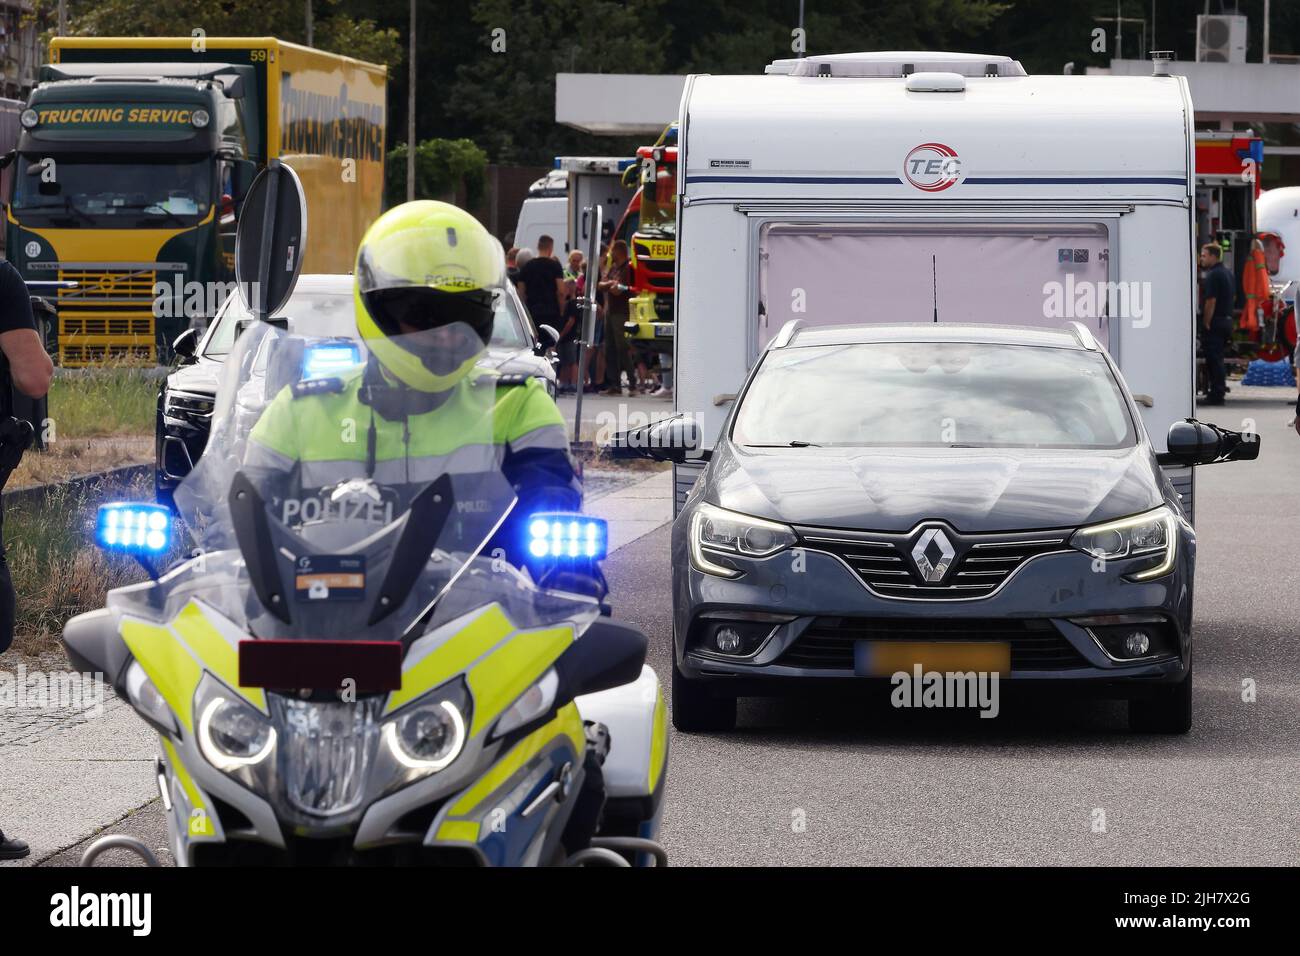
x=36, y=494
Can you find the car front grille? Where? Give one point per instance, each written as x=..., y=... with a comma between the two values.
x=982, y=562
x=828, y=642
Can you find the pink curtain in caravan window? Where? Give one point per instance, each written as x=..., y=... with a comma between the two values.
x=842, y=276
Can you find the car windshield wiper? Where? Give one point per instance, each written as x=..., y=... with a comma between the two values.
x=789, y=444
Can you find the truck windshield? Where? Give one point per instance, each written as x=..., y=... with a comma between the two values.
x=76, y=191
x=934, y=394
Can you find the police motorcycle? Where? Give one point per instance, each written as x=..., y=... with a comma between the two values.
x=349, y=667
x=350, y=676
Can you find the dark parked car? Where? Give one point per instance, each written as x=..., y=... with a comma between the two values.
x=320, y=305
x=887, y=496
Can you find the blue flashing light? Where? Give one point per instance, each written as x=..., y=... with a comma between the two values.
x=567, y=536
x=330, y=358
x=131, y=528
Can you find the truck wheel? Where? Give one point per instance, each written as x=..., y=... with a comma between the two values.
x=1168, y=712
x=697, y=710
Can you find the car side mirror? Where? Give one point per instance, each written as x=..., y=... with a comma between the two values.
x=675, y=439
x=608, y=655
x=186, y=346
x=1199, y=443
x=547, y=337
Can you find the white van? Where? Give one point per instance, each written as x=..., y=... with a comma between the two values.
x=919, y=187
x=542, y=216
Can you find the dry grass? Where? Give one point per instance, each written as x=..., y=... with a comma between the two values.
x=56, y=569
x=72, y=457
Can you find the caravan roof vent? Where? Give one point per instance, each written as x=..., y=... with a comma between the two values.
x=936, y=83
x=898, y=64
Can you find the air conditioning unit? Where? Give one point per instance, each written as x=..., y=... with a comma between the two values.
x=1221, y=39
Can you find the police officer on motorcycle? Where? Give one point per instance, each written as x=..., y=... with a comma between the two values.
x=425, y=280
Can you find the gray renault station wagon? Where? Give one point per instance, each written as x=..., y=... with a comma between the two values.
x=976, y=498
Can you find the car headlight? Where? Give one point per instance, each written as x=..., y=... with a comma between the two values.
x=1153, y=533
x=716, y=532
x=233, y=735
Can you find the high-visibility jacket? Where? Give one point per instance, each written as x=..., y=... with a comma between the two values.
x=320, y=431
x=1254, y=283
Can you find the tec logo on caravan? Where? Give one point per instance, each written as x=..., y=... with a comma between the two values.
x=932, y=167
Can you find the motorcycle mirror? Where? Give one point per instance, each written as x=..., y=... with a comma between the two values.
x=608, y=655
x=270, y=239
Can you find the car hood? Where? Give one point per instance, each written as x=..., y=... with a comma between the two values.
x=516, y=362
x=201, y=378
x=973, y=489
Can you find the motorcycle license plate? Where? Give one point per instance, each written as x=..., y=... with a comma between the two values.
x=371, y=666
x=330, y=577
x=663, y=331
x=885, y=658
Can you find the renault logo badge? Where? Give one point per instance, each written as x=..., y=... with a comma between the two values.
x=932, y=555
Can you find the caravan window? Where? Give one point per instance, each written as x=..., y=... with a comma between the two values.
x=999, y=274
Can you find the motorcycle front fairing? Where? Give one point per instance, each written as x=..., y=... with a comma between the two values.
x=339, y=673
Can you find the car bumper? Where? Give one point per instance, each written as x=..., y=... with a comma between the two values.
x=819, y=610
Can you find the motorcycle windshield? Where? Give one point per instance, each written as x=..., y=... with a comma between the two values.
x=336, y=501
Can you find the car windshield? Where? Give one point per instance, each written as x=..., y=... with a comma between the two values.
x=132, y=191
x=923, y=394
x=331, y=314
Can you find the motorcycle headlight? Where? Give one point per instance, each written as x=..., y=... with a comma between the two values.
x=325, y=752
x=232, y=734
x=1153, y=533
x=428, y=737
x=716, y=532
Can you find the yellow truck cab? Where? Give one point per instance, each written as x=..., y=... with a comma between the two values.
x=133, y=160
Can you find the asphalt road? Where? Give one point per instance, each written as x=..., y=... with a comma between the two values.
x=838, y=779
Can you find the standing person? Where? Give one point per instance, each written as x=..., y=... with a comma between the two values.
x=577, y=264
x=615, y=286
x=1217, y=292
x=512, y=264
x=567, y=347
x=24, y=365
x=541, y=284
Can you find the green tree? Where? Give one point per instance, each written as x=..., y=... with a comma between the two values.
x=446, y=169
x=336, y=29
x=504, y=91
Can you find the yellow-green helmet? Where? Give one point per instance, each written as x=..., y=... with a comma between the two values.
x=422, y=266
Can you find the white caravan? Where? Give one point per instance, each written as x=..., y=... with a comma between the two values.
x=919, y=187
